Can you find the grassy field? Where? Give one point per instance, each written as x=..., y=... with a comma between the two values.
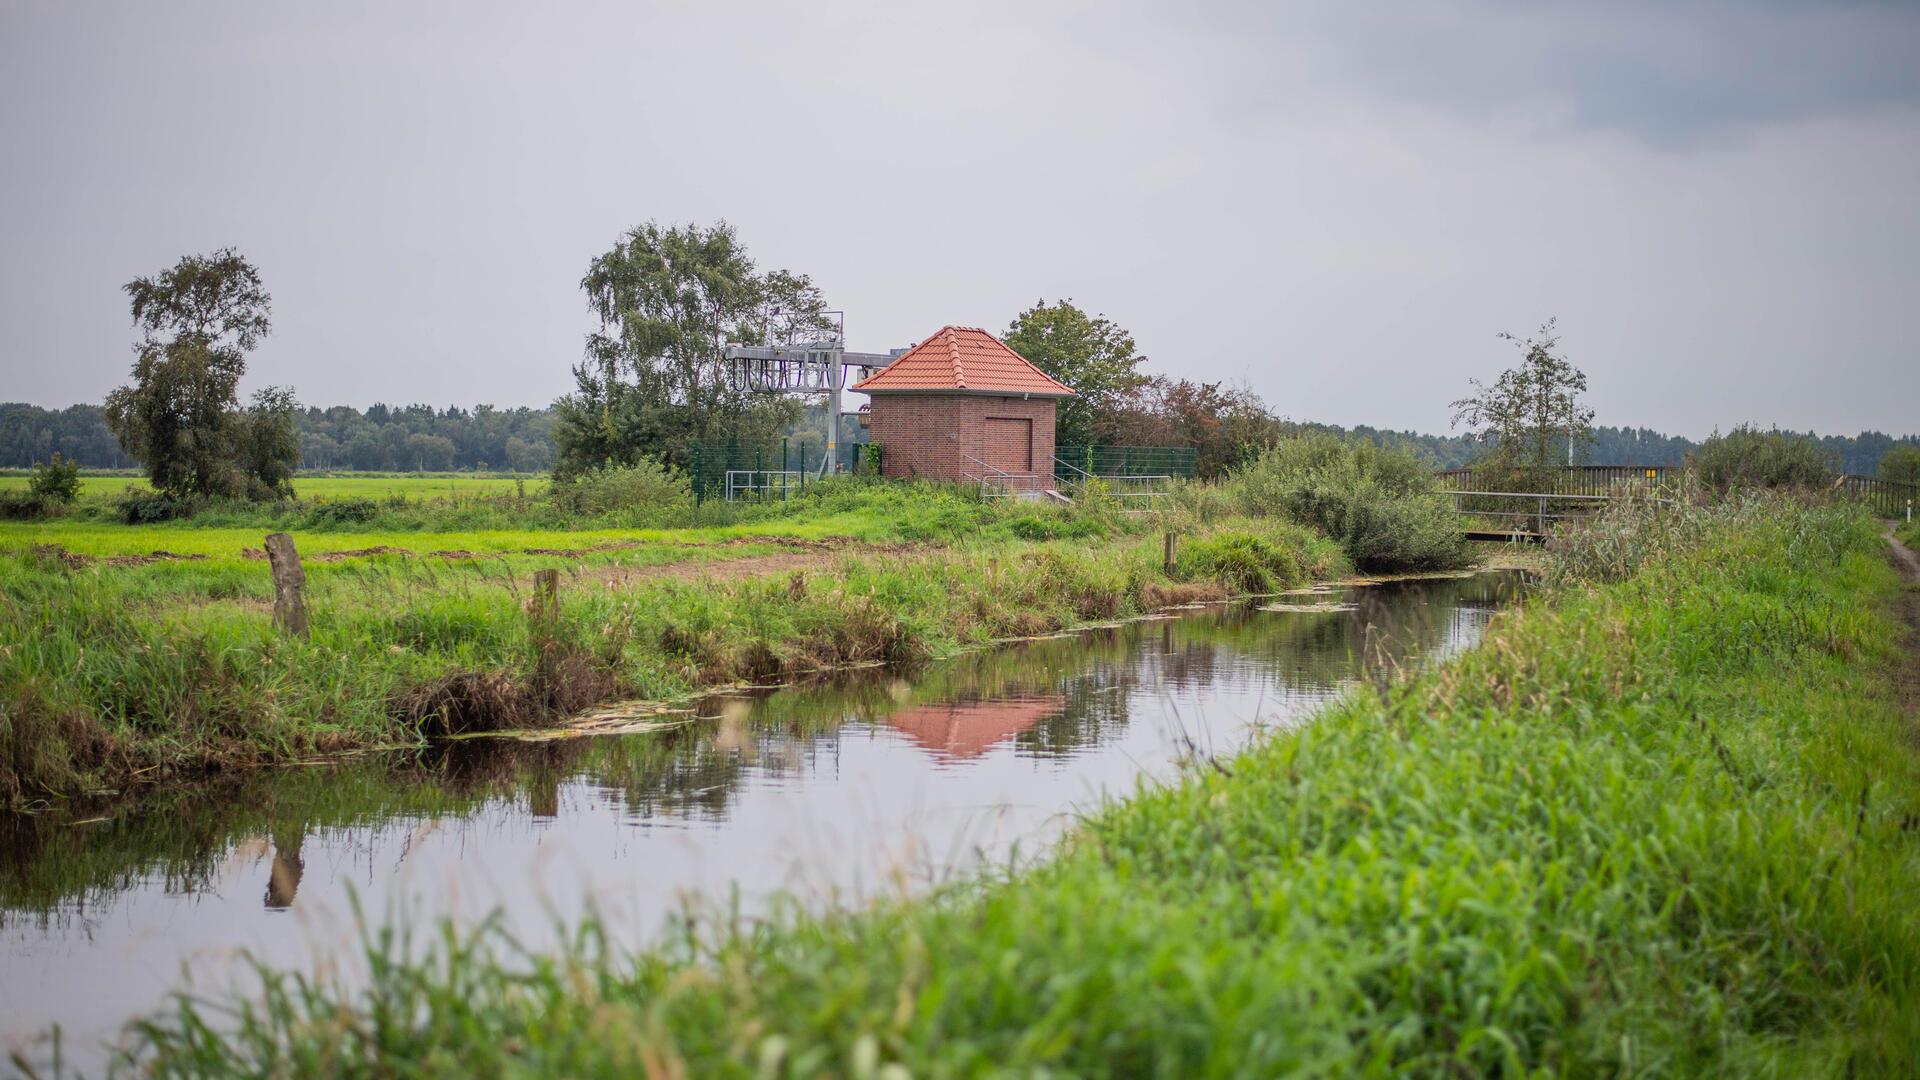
x=1658, y=823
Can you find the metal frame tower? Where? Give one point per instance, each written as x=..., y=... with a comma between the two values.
x=818, y=366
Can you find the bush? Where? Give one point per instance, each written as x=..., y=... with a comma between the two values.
x=646, y=485
x=1901, y=465
x=343, y=512
x=56, y=482
x=21, y=506
x=138, y=507
x=1243, y=561
x=1383, y=506
x=1747, y=457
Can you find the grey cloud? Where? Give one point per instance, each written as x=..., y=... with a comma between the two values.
x=1671, y=75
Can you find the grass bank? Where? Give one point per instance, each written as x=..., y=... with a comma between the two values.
x=1660, y=824
x=116, y=665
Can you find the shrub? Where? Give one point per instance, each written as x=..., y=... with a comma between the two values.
x=56, y=482
x=1747, y=457
x=645, y=485
x=1901, y=464
x=343, y=512
x=1382, y=505
x=21, y=506
x=138, y=507
x=1243, y=561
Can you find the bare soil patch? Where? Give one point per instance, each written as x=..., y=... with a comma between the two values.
x=76, y=561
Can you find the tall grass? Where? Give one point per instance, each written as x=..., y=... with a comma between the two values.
x=1659, y=825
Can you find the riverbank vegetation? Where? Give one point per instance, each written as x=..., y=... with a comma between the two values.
x=1659, y=824
x=144, y=652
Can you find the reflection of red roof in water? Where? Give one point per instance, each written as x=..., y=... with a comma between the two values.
x=964, y=729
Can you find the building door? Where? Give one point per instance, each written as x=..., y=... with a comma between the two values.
x=1009, y=443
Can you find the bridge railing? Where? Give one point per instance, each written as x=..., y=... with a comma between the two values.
x=1888, y=498
x=1570, y=479
x=1520, y=515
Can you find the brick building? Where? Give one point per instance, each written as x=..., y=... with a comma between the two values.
x=962, y=406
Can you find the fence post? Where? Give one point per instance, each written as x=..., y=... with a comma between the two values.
x=1170, y=551
x=289, y=585
x=545, y=610
x=1541, y=528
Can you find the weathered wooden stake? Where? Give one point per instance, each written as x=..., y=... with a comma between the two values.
x=546, y=603
x=289, y=585
x=1171, y=550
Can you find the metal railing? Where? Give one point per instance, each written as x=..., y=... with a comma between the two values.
x=998, y=483
x=1532, y=517
x=1135, y=493
x=763, y=483
x=1568, y=479
x=1888, y=498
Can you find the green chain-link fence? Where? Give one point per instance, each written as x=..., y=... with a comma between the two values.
x=1109, y=461
x=726, y=469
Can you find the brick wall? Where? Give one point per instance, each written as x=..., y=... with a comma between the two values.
x=929, y=435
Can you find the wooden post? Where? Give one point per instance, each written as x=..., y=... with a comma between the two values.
x=545, y=611
x=289, y=585
x=1170, y=551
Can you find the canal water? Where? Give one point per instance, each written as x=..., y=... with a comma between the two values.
x=831, y=791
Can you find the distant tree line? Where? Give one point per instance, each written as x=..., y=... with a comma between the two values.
x=409, y=438
x=30, y=435
x=383, y=438
x=420, y=438
x=394, y=438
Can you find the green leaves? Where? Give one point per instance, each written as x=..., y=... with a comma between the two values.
x=1091, y=354
x=1532, y=414
x=669, y=299
x=181, y=415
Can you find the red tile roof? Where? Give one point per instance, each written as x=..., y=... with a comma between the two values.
x=963, y=359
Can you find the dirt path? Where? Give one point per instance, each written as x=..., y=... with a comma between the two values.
x=1907, y=675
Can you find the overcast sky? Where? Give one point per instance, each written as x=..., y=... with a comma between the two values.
x=1720, y=201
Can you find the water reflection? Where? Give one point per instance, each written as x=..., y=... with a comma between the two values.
x=831, y=786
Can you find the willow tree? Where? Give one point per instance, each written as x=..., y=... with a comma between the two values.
x=1531, y=417
x=654, y=379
